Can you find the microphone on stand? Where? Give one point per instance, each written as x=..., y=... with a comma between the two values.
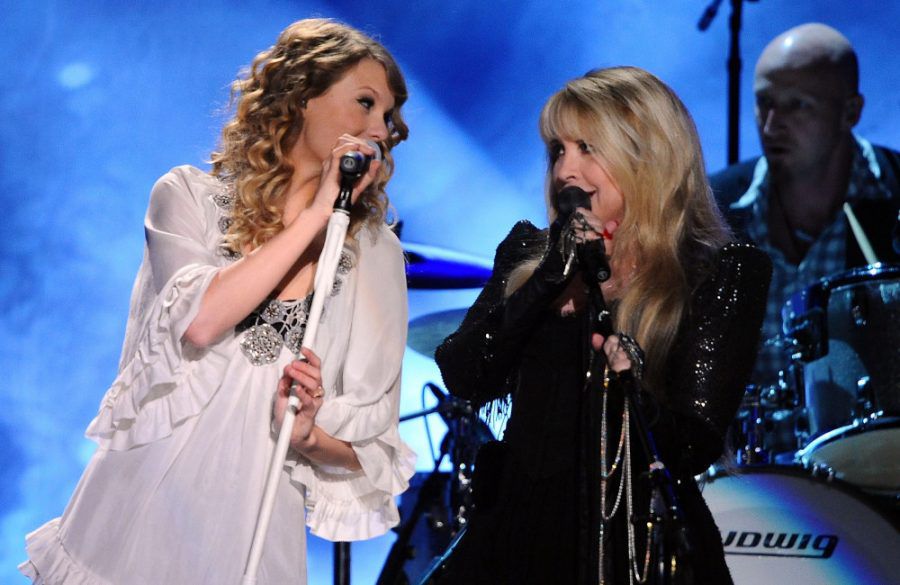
x=351, y=169
x=451, y=409
x=352, y=166
x=569, y=199
x=355, y=163
x=709, y=15
x=592, y=258
x=448, y=407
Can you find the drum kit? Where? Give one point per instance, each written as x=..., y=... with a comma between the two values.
x=815, y=497
x=815, y=494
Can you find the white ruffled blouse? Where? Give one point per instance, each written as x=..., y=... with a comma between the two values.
x=172, y=494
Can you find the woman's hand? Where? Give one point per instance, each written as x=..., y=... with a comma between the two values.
x=308, y=375
x=588, y=226
x=329, y=184
x=617, y=356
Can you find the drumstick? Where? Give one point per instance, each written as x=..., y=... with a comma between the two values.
x=860, y=236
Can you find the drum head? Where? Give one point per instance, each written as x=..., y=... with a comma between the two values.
x=782, y=525
x=866, y=455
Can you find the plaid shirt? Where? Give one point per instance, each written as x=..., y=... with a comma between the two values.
x=826, y=255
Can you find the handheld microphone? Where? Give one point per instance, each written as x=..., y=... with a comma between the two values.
x=566, y=201
x=591, y=259
x=591, y=254
x=354, y=164
x=452, y=409
x=570, y=199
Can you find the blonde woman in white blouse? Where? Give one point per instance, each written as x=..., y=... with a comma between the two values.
x=186, y=430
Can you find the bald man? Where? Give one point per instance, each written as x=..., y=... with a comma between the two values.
x=789, y=201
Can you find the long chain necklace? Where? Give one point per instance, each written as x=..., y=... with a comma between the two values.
x=623, y=459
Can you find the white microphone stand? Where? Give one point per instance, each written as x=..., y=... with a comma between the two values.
x=351, y=169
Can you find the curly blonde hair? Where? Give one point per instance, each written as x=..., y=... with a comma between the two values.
x=671, y=229
x=308, y=58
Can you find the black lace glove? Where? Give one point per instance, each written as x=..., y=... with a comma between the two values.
x=524, y=306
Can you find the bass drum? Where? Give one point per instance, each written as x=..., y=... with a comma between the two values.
x=783, y=525
x=866, y=454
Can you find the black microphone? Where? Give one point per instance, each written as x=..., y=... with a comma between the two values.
x=448, y=406
x=592, y=254
x=566, y=201
x=591, y=259
x=451, y=408
x=354, y=164
x=569, y=199
x=708, y=15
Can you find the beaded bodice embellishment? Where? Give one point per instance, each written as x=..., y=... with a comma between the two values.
x=275, y=324
x=271, y=326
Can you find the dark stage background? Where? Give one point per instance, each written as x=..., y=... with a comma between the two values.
x=97, y=99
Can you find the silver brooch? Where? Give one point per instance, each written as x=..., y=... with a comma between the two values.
x=261, y=344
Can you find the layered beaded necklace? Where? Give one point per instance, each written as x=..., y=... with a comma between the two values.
x=621, y=461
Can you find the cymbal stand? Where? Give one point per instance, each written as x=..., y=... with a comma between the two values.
x=464, y=433
x=734, y=69
x=392, y=572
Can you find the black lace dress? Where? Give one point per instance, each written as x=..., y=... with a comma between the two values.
x=538, y=520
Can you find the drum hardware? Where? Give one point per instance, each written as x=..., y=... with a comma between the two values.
x=859, y=308
x=808, y=336
x=437, y=566
x=771, y=423
x=753, y=431
x=444, y=500
x=823, y=471
x=865, y=399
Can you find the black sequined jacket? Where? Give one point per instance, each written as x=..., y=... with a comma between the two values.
x=543, y=522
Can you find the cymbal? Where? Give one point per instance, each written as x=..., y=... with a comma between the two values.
x=429, y=267
x=428, y=331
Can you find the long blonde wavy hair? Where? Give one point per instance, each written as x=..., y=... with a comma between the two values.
x=308, y=58
x=671, y=229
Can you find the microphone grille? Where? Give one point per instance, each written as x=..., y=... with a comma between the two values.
x=571, y=198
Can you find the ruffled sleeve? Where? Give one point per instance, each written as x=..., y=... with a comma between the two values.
x=352, y=506
x=157, y=388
